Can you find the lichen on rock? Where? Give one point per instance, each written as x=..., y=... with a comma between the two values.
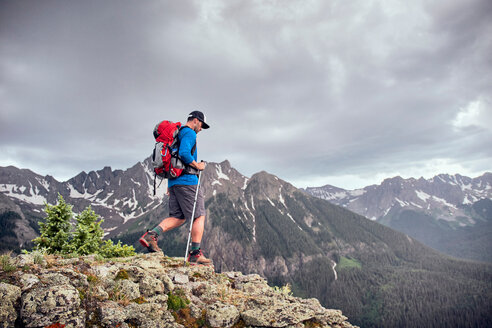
x=137, y=291
x=55, y=303
x=222, y=315
x=9, y=296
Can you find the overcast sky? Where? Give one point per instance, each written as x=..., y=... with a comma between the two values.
x=316, y=92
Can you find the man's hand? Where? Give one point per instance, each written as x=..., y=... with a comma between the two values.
x=199, y=166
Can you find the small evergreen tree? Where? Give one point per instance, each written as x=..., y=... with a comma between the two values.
x=88, y=234
x=56, y=234
x=55, y=231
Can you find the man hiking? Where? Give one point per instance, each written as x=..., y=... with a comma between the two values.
x=182, y=192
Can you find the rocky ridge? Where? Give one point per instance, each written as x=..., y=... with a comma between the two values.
x=148, y=290
x=445, y=197
x=450, y=213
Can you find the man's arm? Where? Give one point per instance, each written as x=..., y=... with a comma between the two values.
x=188, y=140
x=199, y=166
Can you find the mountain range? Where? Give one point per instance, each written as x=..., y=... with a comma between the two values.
x=261, y=224
x=451, y=213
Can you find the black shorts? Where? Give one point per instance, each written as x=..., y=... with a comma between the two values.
x=182, y=199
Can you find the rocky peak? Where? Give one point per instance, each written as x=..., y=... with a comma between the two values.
x=487, y=176
x=147, y=291
x=23, y=184
x=222, y=178
x=78, y=181
x=267, y=186
x=106, y=173
x=11, y=174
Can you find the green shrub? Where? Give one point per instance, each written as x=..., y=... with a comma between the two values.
x=108, y=249
x=92, y=279
x=38, y=256
x=284, y=290
x=5, y=262
x=139, y=300
x=177, y=301
x=121, y=275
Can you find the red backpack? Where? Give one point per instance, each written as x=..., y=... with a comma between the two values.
x=165, y=149
x=165, y=158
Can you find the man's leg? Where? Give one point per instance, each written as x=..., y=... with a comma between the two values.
x=197, y=229
x=171, y=223
x=185, y=196
x=196, y=256
x=149, y=239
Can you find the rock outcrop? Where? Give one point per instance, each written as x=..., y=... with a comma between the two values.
x=148, y=290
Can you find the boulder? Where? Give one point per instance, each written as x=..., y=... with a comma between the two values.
x=24, y=259
x=104, y=271
x=149, y=315
x=41, y=307
x=128, y=289
x=150, y=286
x=168, y=283
x=181, y=278
x=136, y=273
x=251, y=284
x=28, y=281
x=109, y=314
x=53, y=279
x=222, y=315
x=76, y=279
x=9, y=296
x=278, y=314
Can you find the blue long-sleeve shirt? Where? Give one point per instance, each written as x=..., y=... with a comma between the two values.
x=187, y=139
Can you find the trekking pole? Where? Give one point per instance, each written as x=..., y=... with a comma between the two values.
x=192, y=217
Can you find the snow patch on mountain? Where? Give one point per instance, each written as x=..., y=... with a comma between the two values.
x=220, y=174
x=74, y=193
x=416, y=205
x=44, y=183
x=280, y=197
x=402, y=203
x=422, y=195
x=245, y=184
x=357, y=192
x=290, y=217
x=29, y=195
x=443, y=201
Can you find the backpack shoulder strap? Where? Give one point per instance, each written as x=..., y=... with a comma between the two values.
x=179, y=141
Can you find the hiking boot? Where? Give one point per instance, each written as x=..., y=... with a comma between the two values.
x=149, y=240
x=197, y=257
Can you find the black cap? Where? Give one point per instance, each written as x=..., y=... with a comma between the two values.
x=199, y=115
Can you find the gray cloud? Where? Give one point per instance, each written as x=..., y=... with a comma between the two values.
x=308, y=91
